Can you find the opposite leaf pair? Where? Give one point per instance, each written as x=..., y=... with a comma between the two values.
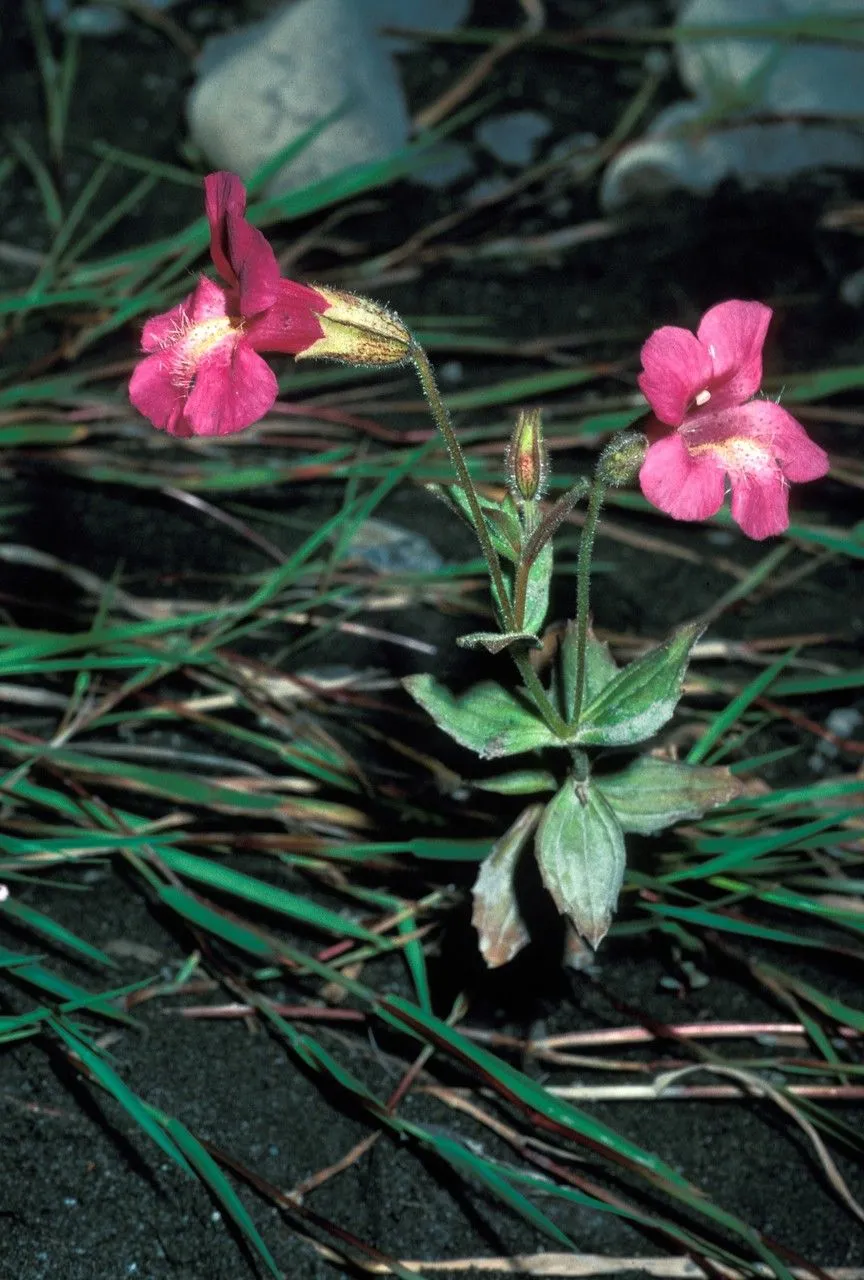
x=579, y=847
x=579, y=843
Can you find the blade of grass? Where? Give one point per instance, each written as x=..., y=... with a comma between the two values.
x=56, y=933
x=104, y=1074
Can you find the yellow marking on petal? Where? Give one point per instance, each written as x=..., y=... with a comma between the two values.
x=739, y=455
x=196, y=340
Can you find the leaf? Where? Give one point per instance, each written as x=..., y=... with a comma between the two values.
x=105, y=1075
x=651, y=794
x=210, y=1173
x=502, y=519
x=500, y=928
x=522, y=782
x=495, y=641
x=537, y=592
x=640, y=699
x=488, y=719
x=600, y=668
x=239, y=885
x=580, y=851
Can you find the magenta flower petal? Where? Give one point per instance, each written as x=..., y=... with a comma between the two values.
x=224, y=196
x=233, y=388
x=292, y=324
x=154, y=393
x=159, y=331
x=734, y=335
x=240, y=252
x=799, y=458
x=684, y=486
x=676, y=368
x=207, y=301
x=761, y=506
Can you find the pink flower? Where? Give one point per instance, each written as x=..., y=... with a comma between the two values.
x=202, y=374
x=703, y=385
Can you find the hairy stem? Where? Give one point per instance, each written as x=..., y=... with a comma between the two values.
x=539, y=696
x=442, y=420
x=583, y=588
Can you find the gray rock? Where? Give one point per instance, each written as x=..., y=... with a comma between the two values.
x=513, y=138
x=672, y=158
x=264, y=86
x=391, y=549
x=852, y=289
x=443, y=164
x=800, y=78
x=695, y=145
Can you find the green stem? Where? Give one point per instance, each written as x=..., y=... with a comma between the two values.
x=442, y=420
x=520, y=594
x=583, y=588
x=541, y=699
x=536, y=533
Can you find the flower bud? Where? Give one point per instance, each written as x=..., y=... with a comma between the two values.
x=358, y=331
x=527, y=463
x=620, y=461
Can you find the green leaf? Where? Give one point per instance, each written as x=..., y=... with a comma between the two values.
x=642, y=697
x=502, y=519
x=580, y=851
x=105, y=1075
x=488, y=719
x=522, y=782
x=495, y=641
x=537, y=593
x=501, y=931
x=651, y=794
x=600, y=668
x=239, y=885
x=210, y=1173
x=29, y=916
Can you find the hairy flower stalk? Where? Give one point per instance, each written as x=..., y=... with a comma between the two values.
x=442, y=420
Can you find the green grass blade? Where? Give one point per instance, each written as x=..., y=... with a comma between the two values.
x=213, y=1177
x=105, y=1075
x=240, y=885
x=56, y=933
x=735, y=709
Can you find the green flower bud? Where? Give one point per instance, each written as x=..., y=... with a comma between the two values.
x=620, y=461
x=527, y=461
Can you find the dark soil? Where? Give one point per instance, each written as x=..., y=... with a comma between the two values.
x=83, y=1195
